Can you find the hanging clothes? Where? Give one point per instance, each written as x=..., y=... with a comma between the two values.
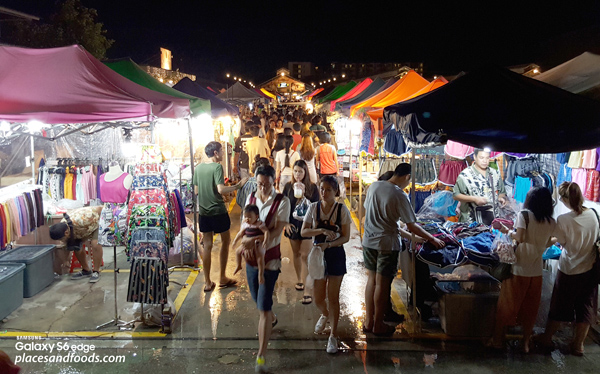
x=589, y=159
x=148, y=281
x=592, y=190
x=579, y=176
x=458, y=150
x=449, y=171
x=576, y=160
x=394, y=143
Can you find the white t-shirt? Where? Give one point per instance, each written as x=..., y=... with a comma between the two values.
x=529, y=253
x=283, y=215
x=311, y=215
x=280, y=159
x=577, y=234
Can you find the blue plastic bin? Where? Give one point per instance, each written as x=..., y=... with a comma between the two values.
x=11, y=287
x=39, y=273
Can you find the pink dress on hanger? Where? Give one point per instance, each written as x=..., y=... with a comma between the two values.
x=590, y=159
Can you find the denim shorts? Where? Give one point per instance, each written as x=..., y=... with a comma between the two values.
x=262, y=294
x=335, y=261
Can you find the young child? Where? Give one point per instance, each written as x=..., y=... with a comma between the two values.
x=252, y=227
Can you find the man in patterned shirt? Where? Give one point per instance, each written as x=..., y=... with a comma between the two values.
x=77, y=227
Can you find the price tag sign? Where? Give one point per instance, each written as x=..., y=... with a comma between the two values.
x=27, y=161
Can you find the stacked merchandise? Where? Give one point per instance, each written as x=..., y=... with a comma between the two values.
x=149, y=235
x=21, y=212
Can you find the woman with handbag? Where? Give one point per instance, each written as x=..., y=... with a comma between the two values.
x=328, y=222
x=575, y=293
x=301, y=192
x=520, y=294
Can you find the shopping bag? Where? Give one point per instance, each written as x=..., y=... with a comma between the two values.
x=316, y=263
x=503, y=246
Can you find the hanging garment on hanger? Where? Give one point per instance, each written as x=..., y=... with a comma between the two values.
x=565, y=174
x=575, y=160
x=589, y=159
x=148, y=281
x=458, y=150
x=579, y=176
x=112, y=226
x=563, y=158
x=592, y=191
x=449, y=171
x=394, y=143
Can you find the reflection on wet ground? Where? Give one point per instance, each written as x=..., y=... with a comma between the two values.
x=215, y=332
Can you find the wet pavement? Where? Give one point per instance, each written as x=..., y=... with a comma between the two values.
x=216, y=332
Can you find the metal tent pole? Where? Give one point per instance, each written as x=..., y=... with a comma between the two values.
x=415, y=311
x=196, y=262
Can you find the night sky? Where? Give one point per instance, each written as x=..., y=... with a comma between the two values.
x=211, y=38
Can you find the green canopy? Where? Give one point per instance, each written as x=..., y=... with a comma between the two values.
x=339, y=91
x=130, y=70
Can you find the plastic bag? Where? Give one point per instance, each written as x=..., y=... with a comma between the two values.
x=504, y=248
x=439, y=204
x=510, y=210
x=301, y=209
x=316, y=263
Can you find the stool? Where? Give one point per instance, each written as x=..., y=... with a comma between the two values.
x=75, y=262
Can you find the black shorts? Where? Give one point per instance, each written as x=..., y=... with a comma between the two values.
x=217, y=224
x=335, y=261
x=296, y=232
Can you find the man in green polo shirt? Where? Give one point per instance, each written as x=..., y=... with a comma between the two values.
x=209, y=185
x=479, y=185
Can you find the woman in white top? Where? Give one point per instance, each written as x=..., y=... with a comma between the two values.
x=307, y=153
x=520, y=295
x=328, y=223
x=575, y=294
x=284, y=161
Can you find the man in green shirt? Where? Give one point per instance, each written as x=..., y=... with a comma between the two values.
x=209, y=184
x=479, y=185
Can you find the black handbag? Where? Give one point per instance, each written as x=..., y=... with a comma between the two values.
x=485, y=213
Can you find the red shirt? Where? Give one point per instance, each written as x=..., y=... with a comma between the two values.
x=297, y=141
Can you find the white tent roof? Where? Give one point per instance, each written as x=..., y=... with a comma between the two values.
x=577, y=75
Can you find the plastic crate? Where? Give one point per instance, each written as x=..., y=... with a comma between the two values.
x=38, y=266
x=11, y=287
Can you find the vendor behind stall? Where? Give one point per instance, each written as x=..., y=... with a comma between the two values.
x=77, y=227
x=480, y=190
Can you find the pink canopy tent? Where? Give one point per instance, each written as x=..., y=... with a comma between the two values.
x=69, y=85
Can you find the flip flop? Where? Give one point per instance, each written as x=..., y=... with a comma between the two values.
x=299, y=286
x=212, y=287
x=389, y=332
x=274, y=323
x=230, y=283
x=306, y=300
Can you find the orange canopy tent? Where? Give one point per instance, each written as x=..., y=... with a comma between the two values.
x=408, y=85
x=353, y=92
x=316, y=92
x=376, y=114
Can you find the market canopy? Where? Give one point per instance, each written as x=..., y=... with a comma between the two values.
x=218, y=107
x=580, y=75
x=352, y=93
x=268, y=94
x=494, y=107
x=376, y=114
x=323, y=93
x=373, y=88
x=410, y=80
x=341, y=91
x=318, y=90
x=239, y=93
x=130, y=70
x=69, y=85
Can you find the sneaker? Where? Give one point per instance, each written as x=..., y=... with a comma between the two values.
x=320, y=326
x=261, y=366
x=332, y=345
x=82, y=274
x=95, y=277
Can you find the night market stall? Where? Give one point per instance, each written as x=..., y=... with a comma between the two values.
x=497, y=109
x=65, y=98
